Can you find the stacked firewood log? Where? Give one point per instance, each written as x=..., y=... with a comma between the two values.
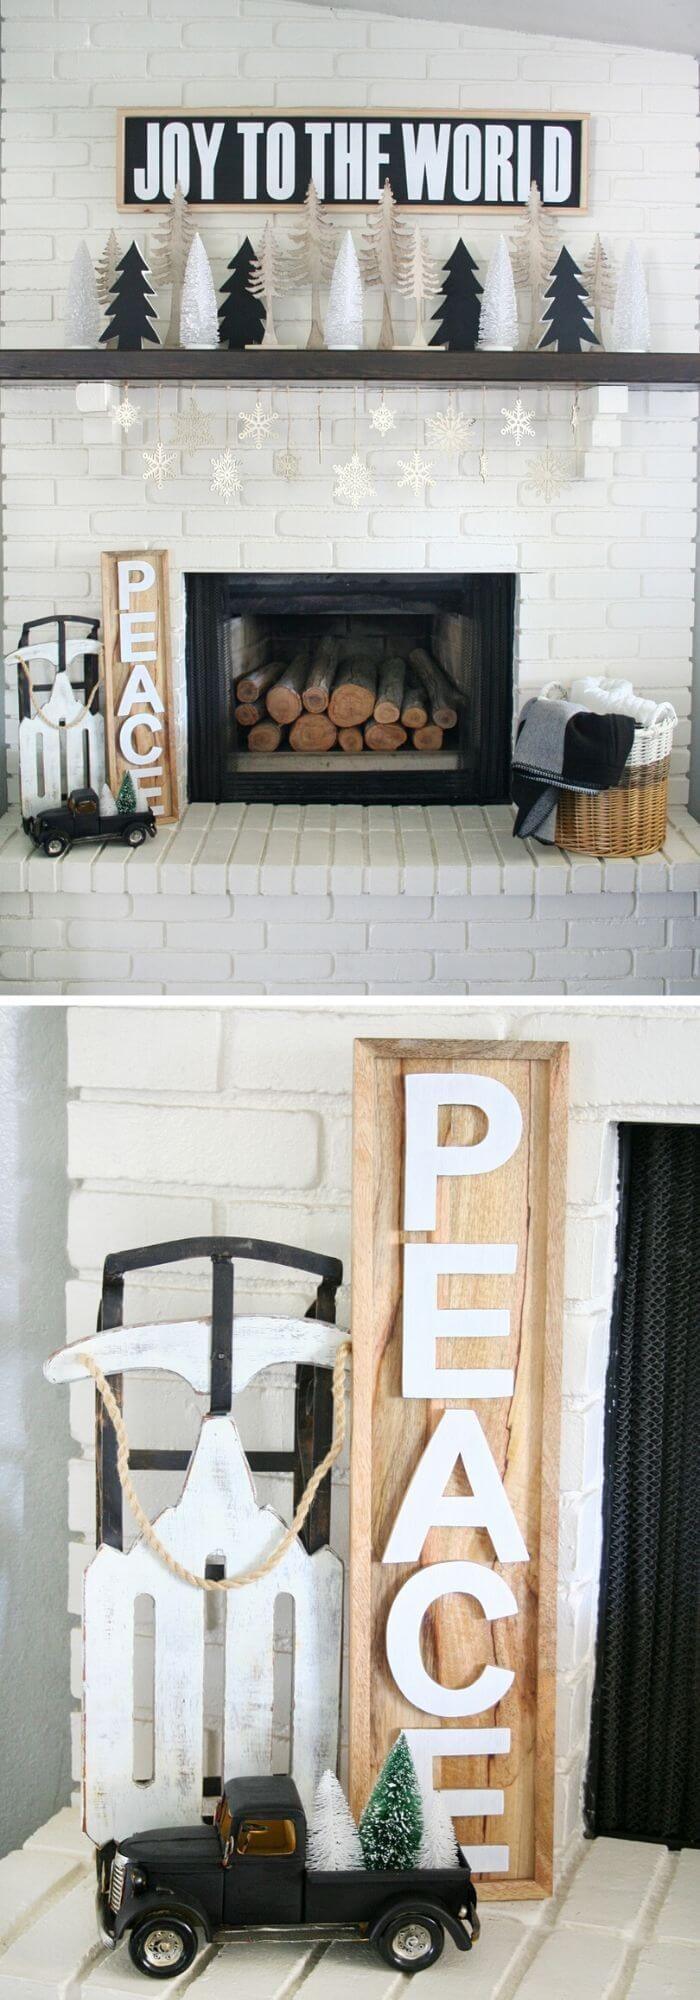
x=339, y=695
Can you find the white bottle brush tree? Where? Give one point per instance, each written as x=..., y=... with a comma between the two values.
x=382, y=256
x=311, y=257
x=199, y=312
x=418, y=280
x=534, y=247
x=170, y=253
x=498, y=322
x=344, y=311
x=333, y=1839
x=267, y=280
x=598, y=274
x=438, y=1847
x=83, y=318
x=631, y=330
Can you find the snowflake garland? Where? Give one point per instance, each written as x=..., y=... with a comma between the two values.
x=381, y=418
x=354, y=483
x=192, y=429
x=226, y=476
x=417, y=473
x=483, y=465
x=126, y=413
x=256, y=425
x=287, y=464
x=548, y=473
x=449, y=431
x=158, y=464
x=518, y=423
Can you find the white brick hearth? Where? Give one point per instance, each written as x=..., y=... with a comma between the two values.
x=245, y=900
x=604, y=571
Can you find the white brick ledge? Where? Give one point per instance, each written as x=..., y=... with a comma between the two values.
x=623, y=1926
x=266, y=900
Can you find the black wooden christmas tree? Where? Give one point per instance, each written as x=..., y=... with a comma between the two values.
x=568, y=314
x=130, y=312
x=457, y=318
x=241, y=315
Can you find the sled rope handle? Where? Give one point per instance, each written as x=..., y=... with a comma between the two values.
x=290, y=1534
x=41, y=712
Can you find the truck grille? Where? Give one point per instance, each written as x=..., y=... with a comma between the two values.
x=116, y=1882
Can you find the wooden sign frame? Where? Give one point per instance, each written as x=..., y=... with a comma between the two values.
x=138, y=657
x=242, y=203
x=512, y=1203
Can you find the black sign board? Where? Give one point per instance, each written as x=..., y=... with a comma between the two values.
x=266, y=160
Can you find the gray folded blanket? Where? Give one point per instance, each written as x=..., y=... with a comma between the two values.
x=562, y=746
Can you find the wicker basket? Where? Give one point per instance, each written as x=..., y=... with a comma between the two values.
x=630, y=818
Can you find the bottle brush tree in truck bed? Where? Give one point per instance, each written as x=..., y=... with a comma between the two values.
x=333, y=1839
x=391, y=1827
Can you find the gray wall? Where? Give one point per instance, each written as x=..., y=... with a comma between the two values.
x=34, y=1436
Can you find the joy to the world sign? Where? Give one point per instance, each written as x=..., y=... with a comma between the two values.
x=458, y=1197
x=266, y=159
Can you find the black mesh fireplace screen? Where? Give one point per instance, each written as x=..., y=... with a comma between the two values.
x=439, y=734
x=643, y=1778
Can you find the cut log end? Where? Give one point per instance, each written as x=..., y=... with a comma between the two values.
x=351, y=741
x=313, y=733
x=428, y=738
x=384, y=736
x=265, y=736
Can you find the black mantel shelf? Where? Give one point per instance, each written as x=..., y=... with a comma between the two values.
x=397, y=365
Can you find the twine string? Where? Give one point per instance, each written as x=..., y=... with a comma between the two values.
x=290, y=1534
x=41, y=712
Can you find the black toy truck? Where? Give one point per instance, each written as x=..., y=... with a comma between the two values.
x=174, y=1887
x=79, y=818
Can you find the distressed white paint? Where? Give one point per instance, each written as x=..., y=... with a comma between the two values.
x=426, y=1161
x=184, y=1348
x=63, y=749
x=425, y=1322
x=458, y=1438
x=216, y=1514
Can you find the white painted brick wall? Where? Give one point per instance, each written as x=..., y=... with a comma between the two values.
x=238, y=1120
x=625, y=532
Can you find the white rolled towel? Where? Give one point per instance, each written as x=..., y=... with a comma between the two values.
x=605, y=695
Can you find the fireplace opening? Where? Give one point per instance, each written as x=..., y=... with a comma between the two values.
x=393, y=689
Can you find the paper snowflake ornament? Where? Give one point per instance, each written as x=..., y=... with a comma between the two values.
x=226, y=476
x=575, y=415
x=126, y=413
x=158, y=464
x=256, y=424
x=417, y=473
x=192, y=429
x=483, y=465
x=287, y=464
x=548, y=473
x=518, y=422
x=381, y=418
x=449, y=431
x=354, y=482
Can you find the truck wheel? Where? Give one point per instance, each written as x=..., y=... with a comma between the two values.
x=136, y=836
x=411, y=1942
x=162, y=1945
x=54, y=845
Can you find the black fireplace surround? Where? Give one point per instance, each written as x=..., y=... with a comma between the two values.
x=463, y=623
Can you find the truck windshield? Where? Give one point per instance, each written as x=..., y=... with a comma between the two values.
x=266, y=1836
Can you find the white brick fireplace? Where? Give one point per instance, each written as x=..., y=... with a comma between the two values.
x=436, y=900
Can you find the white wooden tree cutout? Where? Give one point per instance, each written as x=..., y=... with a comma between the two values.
x=267, y=280
x=172, y=247
x=382, y=256
x=312, y=257
x=535, y=244
x=60, y=748
x=418, y=280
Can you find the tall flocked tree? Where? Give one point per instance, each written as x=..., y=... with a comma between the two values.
x=382, y=256
x=241, y=316
x=534, y=246
x=631, y=329
x=82, y=316
x=199, y=319
x=498, y=320
x=391, y=1827
x=130, y=313
x=170, y=254
x=312, y=257
x=457, y=318
x=568, y=314
x=333, y=1839
x=344, y=311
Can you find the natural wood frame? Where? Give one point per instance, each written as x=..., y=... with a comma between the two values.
x=372, y=1214
x=583, y=118
x=161, y=561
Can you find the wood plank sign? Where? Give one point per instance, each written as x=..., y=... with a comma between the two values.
x=259, y=159
x=458, y=1201
x=138, y=679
